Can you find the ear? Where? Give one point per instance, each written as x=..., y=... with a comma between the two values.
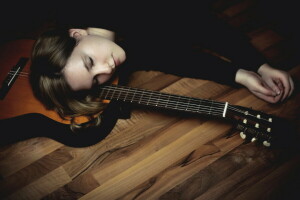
x=77, y=33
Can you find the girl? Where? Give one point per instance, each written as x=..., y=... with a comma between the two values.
x=88, y=48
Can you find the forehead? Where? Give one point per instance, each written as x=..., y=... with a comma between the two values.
x=75, y=72
x=94, y=46
x=93, y=40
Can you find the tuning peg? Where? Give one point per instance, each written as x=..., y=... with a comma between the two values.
x=243, y=135
x=266, y=143
x=253, y=139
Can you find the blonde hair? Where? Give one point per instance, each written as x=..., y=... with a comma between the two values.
x=49, y=56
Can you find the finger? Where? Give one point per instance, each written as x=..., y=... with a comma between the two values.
x=267, y=94
x=292, y=86
x=265, y=89
x=286, y=86
x=270, y=99
x=279, y=84
x=274, y=86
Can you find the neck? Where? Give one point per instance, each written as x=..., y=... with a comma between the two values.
x=164, y=100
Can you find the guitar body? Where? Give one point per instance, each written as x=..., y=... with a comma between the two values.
x=20, y=100
x=22, y=116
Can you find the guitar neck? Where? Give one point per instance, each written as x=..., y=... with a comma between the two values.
x=164, y=100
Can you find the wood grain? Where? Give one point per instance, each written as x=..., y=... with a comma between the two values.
x=161, y=155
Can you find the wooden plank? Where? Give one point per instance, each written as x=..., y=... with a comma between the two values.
x=43, y=186
x=151, y=165
x=34, y=171
x=17, y=156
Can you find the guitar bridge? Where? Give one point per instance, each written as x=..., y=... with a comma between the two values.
x=12, y=76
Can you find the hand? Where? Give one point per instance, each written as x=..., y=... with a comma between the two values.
x=257, y=86
x=279, y=81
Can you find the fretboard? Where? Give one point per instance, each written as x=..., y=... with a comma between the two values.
x=163, y=100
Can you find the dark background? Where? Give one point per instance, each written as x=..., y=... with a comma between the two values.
x=28, y=20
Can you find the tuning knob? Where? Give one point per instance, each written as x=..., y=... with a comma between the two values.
x=253, y=139
x=266, y=143
x=243, y=135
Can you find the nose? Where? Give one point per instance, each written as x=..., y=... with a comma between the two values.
x=103, y=69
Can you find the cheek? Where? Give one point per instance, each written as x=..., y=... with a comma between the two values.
x=78, y=80
x=104, y=78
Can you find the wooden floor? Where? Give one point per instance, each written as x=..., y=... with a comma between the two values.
x=155, y=155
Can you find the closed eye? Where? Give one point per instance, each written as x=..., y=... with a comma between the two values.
x=88, y=63
x=91, y=62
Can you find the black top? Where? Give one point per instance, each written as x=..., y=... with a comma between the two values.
x=167, y=38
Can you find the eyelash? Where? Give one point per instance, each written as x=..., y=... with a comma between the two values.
x=91, y=62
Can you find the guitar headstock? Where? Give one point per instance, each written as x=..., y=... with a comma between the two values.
x=260, y=127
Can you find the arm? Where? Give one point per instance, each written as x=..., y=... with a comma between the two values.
x=231, y=43
x=252, y=70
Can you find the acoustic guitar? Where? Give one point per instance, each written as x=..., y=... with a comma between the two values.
x=17, y=99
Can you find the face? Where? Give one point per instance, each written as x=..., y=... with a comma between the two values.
x=93, y=61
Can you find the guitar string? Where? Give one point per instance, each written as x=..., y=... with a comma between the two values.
x=175, y=105
x=182, y=97
x=13, y=71
x=190, y=106
x=26, y=74
x=128, y=89
x=23, y=74
x=171, y=103
x=189, y=99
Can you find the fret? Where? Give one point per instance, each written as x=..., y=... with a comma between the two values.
x=106, y=94
x=168, y=101
x=124, y=99
x=149, y=98
x=180, y=105
x=210, y=107
x=164, y=103
x=199, y=104
x=101, y=93
x=141, y=97
x=133, y=95
x=158, y=99
x=188, y=104
x=119, y=95
x=179, y=97
x=112, y=96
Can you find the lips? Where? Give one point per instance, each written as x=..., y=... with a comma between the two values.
x=115, y=61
